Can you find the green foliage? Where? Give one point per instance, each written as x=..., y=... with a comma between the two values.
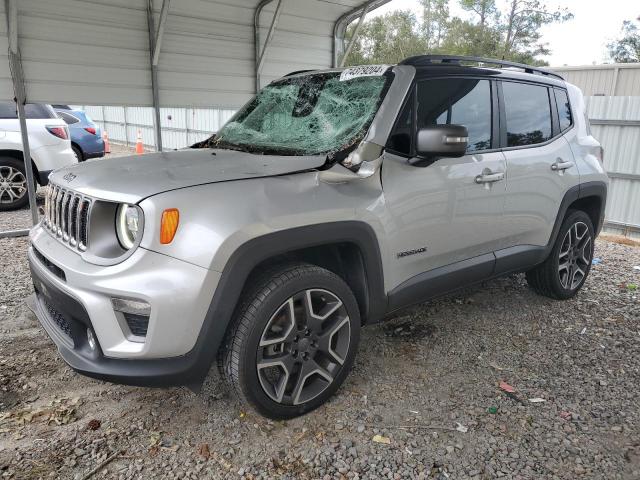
x=512, y=33
x=627, y=48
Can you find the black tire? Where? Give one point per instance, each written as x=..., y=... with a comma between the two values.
x=559, y=275
x=11, y=167
x=78, y=153
x=281, y=391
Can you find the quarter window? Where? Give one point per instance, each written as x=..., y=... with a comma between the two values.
x=459, y=101
x=564, y=109
x=400, y=138
x=528, y=114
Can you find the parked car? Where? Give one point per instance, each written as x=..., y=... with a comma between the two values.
x=86, y=137
x=332, y=200
x=49, y=144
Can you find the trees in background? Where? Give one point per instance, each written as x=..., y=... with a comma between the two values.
x=627, y=48
x=509, y=32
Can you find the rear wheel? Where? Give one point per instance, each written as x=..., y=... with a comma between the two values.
x=565, y=270
x=78, y=153
x=13, y=184
x=293, y=340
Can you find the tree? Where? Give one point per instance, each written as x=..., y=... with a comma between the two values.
x=522, y=29
x=509, y=34
x=627, y=48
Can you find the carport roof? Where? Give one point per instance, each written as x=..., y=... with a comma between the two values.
x=98, y=52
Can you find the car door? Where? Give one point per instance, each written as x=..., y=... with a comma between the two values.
x=540, y=163
x=442, y=211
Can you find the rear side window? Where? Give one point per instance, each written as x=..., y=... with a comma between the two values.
x=459, y=101
x=68, y=118
x=564, y=109
x=528, y=114
x=31, y=110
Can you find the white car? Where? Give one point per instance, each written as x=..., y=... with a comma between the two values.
x=50, y=150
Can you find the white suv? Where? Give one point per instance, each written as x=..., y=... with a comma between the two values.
x=50, y=149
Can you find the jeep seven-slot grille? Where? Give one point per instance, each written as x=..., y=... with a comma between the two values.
x=67, y=216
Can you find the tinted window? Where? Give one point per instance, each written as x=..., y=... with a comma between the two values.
x=68, y=118
x=460, y=101
x=31, y=110
x=400, y=138
x=528, y=113
x=564, y=109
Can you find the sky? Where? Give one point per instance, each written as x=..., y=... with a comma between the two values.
x=580, y=41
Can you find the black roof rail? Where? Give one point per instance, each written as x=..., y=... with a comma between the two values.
x=423, y=60
x=296, y=72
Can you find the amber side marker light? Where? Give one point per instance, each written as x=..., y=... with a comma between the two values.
x=169, y=225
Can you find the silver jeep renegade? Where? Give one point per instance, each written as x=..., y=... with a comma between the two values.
x=331, y=200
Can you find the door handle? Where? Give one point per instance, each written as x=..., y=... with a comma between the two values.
x=490, y=177
x=561, y=165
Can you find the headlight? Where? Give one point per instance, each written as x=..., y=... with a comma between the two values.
x=128, y=223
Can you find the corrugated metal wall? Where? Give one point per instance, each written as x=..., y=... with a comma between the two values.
x=613, y=99
x=180, y=126
x=97, y=51
x=6, y=87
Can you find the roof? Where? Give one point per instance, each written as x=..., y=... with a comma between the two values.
x=96, y=52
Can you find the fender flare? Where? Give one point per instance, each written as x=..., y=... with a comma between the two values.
x=255, y=251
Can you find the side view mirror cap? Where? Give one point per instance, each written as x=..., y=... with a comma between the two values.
x=442, y=141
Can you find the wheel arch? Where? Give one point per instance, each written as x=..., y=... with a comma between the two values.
x=589, y=197
x=337, y=246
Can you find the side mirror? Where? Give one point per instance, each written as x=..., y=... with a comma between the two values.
x=442, y=141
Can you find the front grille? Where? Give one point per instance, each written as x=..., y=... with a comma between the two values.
x=67, y=216
x=59, y=319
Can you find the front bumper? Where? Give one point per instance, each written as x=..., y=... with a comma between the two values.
x=72, y=296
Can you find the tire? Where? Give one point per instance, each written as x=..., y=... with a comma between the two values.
x=13, y=184
x=565, y=270
x=279, y=359
x=78, y=153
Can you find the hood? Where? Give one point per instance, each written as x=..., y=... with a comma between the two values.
x=133, y=178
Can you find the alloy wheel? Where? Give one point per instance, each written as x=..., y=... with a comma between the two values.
x=303, y=346
x=575, y=256
x=13, y=184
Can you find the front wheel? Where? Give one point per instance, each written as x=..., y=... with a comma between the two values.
x=565, y=270
x=293, y=340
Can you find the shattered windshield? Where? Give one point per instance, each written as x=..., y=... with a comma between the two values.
x=305, y=115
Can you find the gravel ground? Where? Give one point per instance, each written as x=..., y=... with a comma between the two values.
x=427, y=383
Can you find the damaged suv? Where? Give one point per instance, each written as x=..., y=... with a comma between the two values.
x=330, y=201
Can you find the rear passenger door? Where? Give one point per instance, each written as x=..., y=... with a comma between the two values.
x=540, y=164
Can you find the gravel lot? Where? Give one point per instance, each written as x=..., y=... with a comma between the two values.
x=426, y=382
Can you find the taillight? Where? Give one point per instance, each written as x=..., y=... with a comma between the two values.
x=91, y=130
x=600, y=155
x=60, y=132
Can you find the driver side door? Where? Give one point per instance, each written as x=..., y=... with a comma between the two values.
x=444, y=220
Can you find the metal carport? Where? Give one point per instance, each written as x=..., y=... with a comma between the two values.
x=186, y=53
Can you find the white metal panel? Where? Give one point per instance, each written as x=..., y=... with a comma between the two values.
x=621, y=148
x=97, y=52
x=6, y=86
x=615, y=108
x=622, y=202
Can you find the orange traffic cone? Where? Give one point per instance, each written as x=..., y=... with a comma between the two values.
x=139, y=146
x=107, y=145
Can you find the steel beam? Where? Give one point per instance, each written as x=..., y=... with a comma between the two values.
x=615, y=122
x=154, y=75
x=17, y=76
x=355, y=35
x=164, y=13
x=261, y=54
x=341, y=25
x=14, y=233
